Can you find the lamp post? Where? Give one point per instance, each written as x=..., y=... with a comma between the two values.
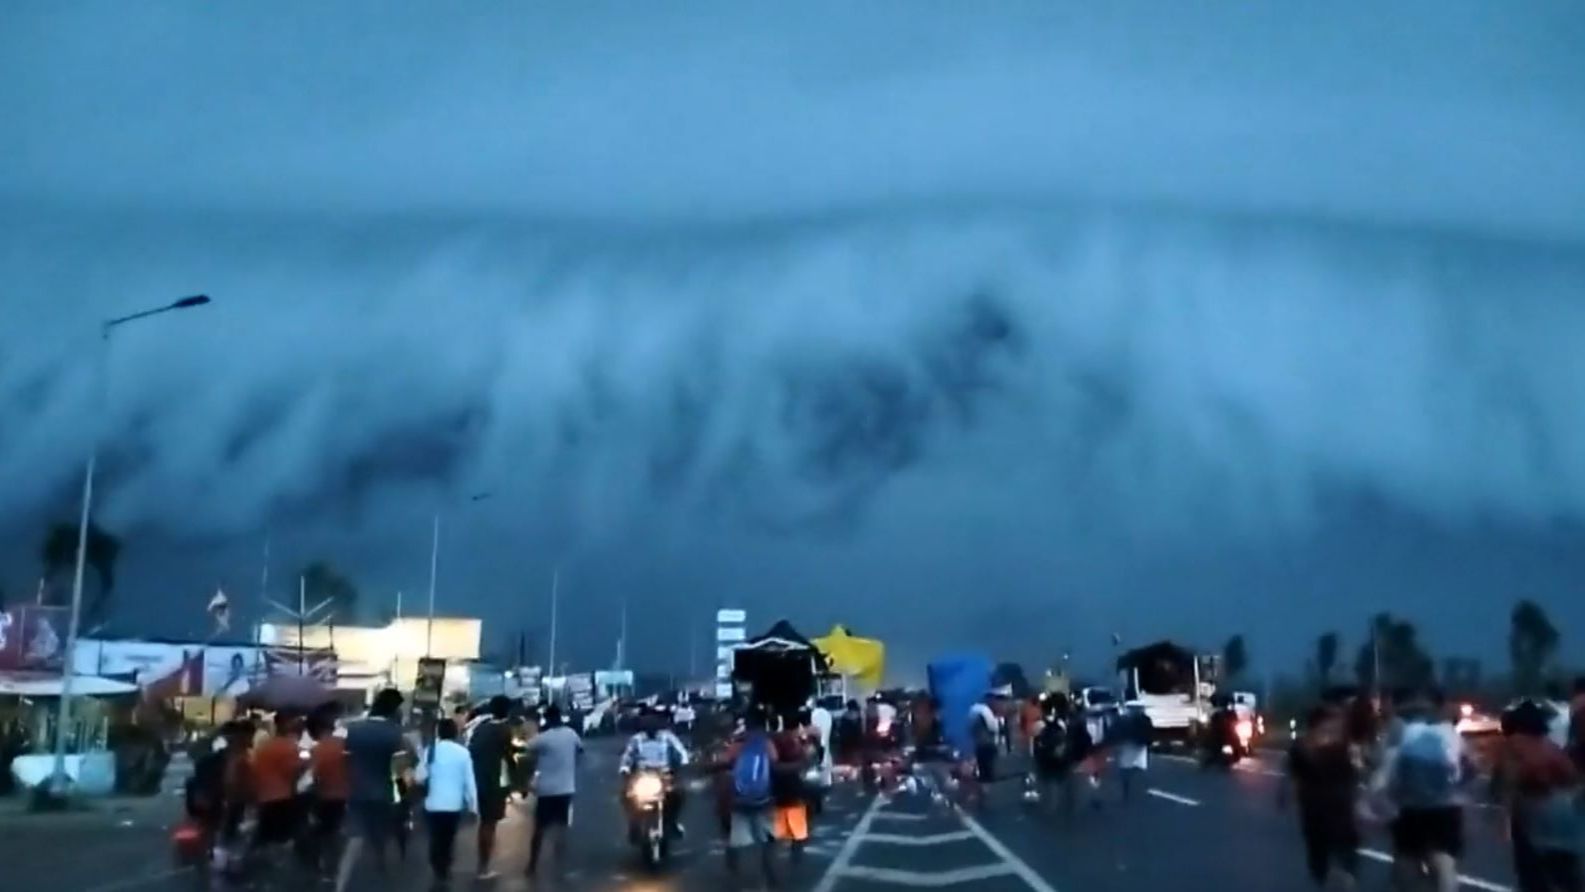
x=434, y=574
x=58, y=783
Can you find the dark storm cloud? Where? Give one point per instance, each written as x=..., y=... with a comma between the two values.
x=888, y=280
x=1422, y=112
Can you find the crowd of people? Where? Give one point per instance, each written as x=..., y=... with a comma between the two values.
x=1404, y=764
x=331, y=795
x=313, y=791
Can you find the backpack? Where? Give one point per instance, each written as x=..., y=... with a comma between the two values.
x=1052, y=742
x=1426, y=772
x=751, y=773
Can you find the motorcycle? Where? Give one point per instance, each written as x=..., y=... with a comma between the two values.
x=1235, y=746
x=648, y=828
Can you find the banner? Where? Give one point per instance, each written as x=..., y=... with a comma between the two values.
x=145, y=663
x=230, y=671
x=33, y=638
x=319, y=662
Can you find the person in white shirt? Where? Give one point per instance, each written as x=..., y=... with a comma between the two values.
x=984, y=729
x=655, y=748
x=823, y=722
x=451, y=793
x=555, y=750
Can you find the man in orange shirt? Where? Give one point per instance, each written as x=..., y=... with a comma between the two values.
x=328, y=762
x=277, y=765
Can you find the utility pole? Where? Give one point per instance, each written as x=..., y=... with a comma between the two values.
x=434, y=567
x=555, y=594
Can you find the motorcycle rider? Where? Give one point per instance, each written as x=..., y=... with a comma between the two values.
x=1222, y=745
x=655, y=748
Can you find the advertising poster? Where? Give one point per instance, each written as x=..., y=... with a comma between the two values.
x=230, y=671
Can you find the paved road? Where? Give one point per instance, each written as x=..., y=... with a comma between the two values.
x=1192, y=831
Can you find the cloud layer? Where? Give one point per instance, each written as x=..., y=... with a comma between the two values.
x=781, y=290
x=1461, y=113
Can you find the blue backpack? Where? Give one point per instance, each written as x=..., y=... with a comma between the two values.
x=751, y=773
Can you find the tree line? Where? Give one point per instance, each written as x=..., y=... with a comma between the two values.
x=1391, y=655
x=57, y=554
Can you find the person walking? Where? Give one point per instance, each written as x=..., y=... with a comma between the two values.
x=450, y=795
x=327, y=762
x=1538, y=785
x=1422, y=777
x=555, y=751
x=789, y=794
x=752, y=761
x=491, y=746
x=1322, y=770
x=984, y=729
x=1132, y=733
x=277, y=766
x=373, y=746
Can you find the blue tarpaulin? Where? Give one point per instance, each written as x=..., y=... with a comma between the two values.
x=958, y=682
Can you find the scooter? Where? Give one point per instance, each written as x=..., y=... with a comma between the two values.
x=646, y=794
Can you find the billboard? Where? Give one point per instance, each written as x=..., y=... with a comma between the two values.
x=32, y=638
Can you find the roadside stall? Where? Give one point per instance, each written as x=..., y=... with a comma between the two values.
x=779, y=669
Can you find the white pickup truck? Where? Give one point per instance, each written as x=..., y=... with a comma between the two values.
x=1165, y=679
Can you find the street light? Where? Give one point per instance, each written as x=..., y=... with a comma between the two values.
x=58, y=781
x=434, y=568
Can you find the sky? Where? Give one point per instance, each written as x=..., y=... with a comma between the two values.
x=1000, y=328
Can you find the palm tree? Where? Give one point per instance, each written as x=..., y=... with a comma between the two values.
x=58, y=554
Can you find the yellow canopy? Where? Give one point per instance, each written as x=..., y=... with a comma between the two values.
x=860, y=658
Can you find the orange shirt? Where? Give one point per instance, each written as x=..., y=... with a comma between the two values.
x=329, y=761
x=276, y=766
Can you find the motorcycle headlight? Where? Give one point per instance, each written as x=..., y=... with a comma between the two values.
x=647, y=787
x=1245, y=730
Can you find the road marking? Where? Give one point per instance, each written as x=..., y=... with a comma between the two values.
x=897, y=839
x=834, y=870
x=1463, y=879
x=901, y=816
x=137, y=882
x=1172, y=797
x=1018, y=865
x=928, y=880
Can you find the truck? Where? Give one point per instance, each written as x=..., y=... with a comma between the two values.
x=1173, y=685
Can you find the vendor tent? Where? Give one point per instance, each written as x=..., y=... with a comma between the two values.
x=863, y=659
x=779, y=666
